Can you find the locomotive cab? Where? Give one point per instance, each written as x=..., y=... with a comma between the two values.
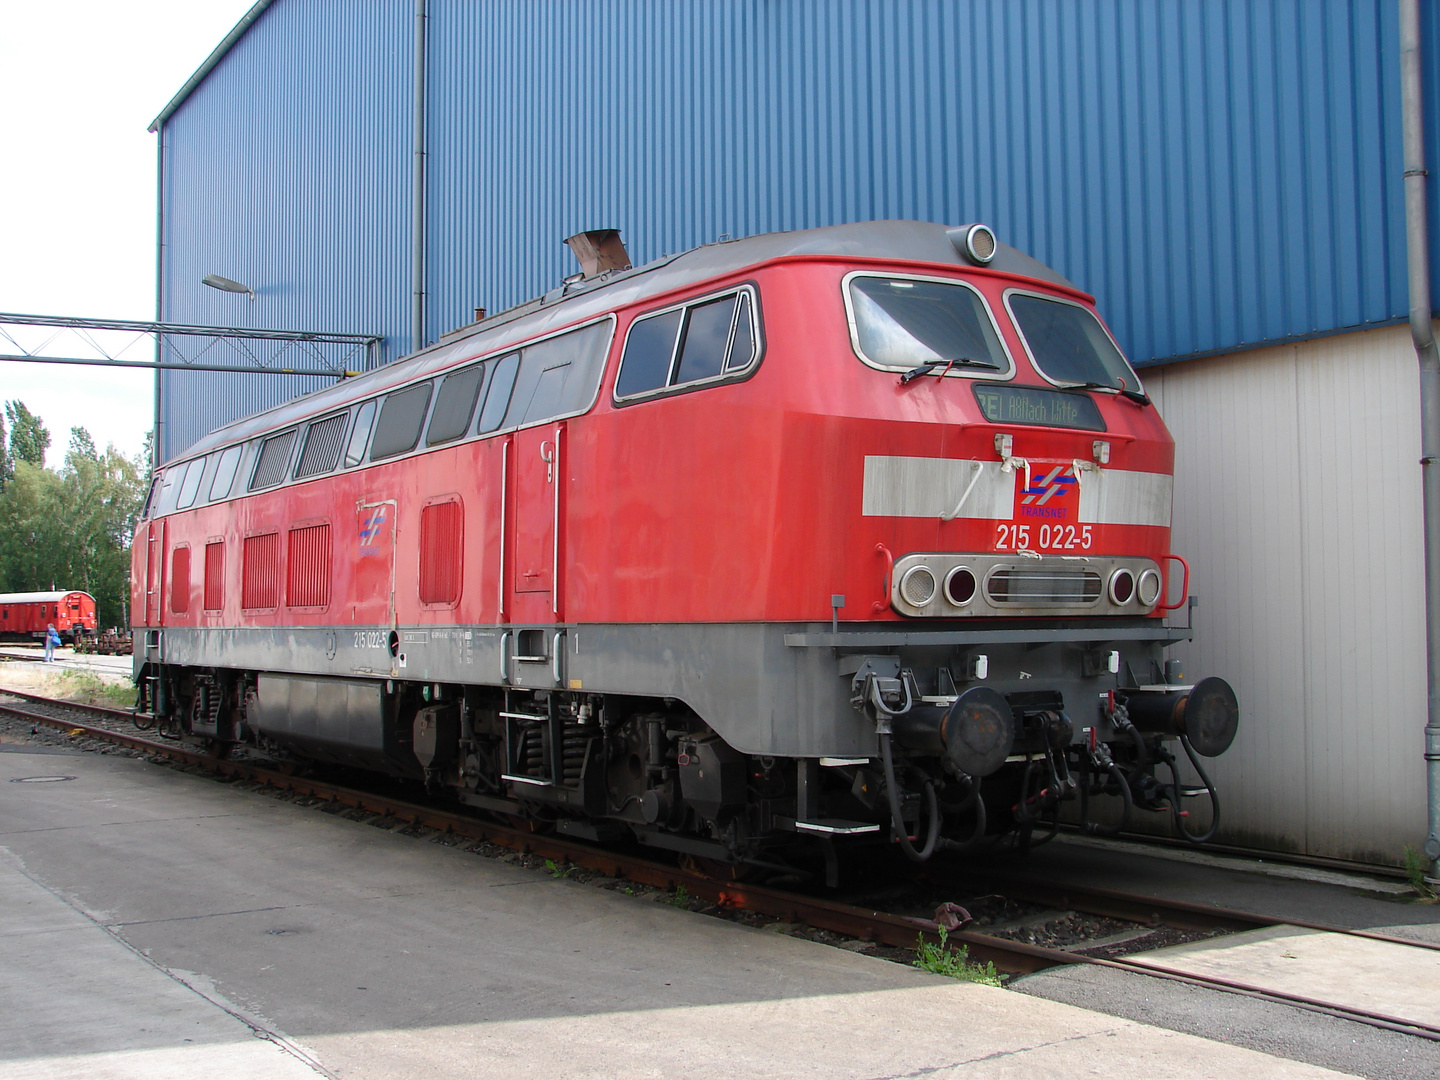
x=1018, y=498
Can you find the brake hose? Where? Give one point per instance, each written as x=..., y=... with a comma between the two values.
x=977, y=835
x=1209, y=790
x=897, y=821
x=1127, y=801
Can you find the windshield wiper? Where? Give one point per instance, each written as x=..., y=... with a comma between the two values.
x=1134, y=395
x=958, y=361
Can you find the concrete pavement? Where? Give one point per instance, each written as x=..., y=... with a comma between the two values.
x=142, y=907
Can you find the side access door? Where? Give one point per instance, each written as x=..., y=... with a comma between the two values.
x=536, y=461
x=155, y=573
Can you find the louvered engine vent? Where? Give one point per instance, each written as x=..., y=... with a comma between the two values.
x=1030, y=587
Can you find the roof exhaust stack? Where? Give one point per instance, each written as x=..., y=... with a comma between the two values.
x=599, y=250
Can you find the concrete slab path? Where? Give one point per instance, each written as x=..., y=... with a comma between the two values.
x=1398, y=981
x=142, y=907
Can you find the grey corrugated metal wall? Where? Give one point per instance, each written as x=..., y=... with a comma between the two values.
x=1218, y=174
x=1297, y=502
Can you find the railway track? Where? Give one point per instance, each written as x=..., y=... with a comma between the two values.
x=860, y=922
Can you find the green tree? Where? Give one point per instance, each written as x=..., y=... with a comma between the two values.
x=28, y=437
x=6, y=469
x=72, y=529
x=31, y=513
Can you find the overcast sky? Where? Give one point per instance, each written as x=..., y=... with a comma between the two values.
x=79, y=85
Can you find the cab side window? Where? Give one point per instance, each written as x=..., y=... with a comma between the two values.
x=707, y=340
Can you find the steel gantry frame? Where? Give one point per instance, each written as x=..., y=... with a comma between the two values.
x=254, y=351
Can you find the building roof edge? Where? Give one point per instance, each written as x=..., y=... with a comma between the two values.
x=211, y=62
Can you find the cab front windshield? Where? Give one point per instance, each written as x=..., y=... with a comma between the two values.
x=1068, y=345
x=904, y=323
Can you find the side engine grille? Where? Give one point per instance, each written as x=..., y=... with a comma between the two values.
x=260, y=572
x=1031, y=587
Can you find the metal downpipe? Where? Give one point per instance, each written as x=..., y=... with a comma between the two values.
x=1423, y=333
x=417, y=192
x=157, y=426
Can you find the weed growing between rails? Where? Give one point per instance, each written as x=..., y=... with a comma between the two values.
x=953, y=963
x=681, y=897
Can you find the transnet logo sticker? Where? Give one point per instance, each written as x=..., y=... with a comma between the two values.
x=1050, y=497
x=370, y=528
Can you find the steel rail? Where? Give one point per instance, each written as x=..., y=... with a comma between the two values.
x=863, y=923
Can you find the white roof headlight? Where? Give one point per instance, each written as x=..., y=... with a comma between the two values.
x=976, y=242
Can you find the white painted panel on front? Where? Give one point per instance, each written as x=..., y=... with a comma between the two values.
x=1122, y=497
x=930, y=487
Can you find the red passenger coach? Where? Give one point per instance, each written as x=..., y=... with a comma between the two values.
x=24, y=616
x=860, y=533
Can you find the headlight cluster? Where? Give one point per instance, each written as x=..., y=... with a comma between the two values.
x=1124, y=587
x=918, y=584
x=952, y=583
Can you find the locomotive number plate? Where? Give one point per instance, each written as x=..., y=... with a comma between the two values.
x=370, y=639
x=1044, y=537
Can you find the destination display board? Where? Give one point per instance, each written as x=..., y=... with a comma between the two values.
x=1005, y=404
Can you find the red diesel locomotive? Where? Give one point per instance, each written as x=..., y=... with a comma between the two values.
x=24, y=616
x=858, y=532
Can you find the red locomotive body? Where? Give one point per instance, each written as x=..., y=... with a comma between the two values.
x=24, y=616
x=811, y=533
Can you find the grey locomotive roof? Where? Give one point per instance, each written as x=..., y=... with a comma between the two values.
x=904, y=241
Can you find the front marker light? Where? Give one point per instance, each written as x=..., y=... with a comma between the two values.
x=1148, y=588
x=1122, y=587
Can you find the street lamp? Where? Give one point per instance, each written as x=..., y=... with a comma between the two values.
x=224, y=284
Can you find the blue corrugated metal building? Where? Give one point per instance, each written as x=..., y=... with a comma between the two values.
x=1219, y=175
x=1224, y=176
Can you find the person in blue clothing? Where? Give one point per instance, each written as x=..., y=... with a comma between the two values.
x=52, y=638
